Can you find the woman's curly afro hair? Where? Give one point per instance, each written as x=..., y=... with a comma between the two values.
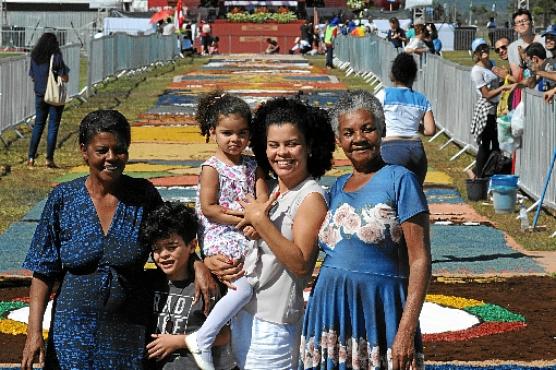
x=313, y=123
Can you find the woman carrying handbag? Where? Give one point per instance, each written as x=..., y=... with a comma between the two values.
x=45, y=54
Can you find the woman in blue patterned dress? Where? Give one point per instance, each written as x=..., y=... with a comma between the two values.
x=87, y=243
x=364, y=308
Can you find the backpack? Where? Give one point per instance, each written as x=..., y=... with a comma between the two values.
x=497, y=164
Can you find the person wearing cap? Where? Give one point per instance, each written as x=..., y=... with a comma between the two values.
x=550, y=44
x=550, y=40
x=483, y=125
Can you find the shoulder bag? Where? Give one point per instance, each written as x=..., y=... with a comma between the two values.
x=56, y=92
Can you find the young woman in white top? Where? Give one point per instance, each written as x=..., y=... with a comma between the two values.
x=295, y=142
x=488, y=87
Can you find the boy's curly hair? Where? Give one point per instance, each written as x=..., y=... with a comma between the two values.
x=168, y=218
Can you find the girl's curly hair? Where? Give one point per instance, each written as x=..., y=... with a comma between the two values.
x=311, y=121
x=218, y=103
x=404, y=69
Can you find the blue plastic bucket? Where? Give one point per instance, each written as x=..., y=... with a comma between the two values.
x=504, y=180
x=504, y=192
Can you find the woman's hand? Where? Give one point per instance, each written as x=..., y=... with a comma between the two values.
x=403, y=351
x=254, y=210
x=205, y=285
x=225, y=269
x=34, y=348
x=164, y=345
x=549, y=95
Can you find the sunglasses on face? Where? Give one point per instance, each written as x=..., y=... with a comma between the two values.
x=482, y=49
x=521, y=23
x=500, y=48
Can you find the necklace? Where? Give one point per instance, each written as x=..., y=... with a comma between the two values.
x=169, y=324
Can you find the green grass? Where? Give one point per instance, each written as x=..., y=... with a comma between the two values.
x=23, y=188
x=4, y=54
x=440, y=160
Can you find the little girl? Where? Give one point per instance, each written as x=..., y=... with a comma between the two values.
x=226, y=178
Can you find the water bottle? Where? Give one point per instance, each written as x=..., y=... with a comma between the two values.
x=523, y=219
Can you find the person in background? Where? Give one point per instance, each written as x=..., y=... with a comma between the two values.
x=272, y=46
x=405, y=111
x=489, y=88
x=550, y=40
x=417, y=44
x=410, y=33
x=523, y=26
x=396, y=35
x=169, y=28
x=543, y=72
x=46, y=48
x=365, y=304
x=433, y=42
x=491, y=26
x=501, y=48
x=330, y=33
x=213, y=47
x=205, y=33
x=170, y=233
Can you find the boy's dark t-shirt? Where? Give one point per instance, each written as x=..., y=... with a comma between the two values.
x=174, y=300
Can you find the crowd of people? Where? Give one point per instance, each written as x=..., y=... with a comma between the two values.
x=418, y=39
x=527, y=62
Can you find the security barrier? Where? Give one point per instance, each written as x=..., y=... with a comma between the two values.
x=17, y=98
x=452, y=95
x=108, y=56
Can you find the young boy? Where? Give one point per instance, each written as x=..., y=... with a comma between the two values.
x=170, y=231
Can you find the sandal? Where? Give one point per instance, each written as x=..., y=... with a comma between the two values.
x=31, y=163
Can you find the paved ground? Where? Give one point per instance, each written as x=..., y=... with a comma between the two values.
x=167, y=149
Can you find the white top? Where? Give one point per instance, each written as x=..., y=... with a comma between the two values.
x=404, y=110
x=415, y=43
x=278, y=296
x=482, y=76
x=513, y=53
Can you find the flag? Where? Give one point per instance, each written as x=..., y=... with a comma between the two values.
x=178, y=16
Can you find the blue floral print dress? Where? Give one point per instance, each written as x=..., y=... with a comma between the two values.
x=96, y=318
x=356, y=303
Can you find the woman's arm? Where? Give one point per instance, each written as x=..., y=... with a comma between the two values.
x=491, y=93
x=40, y=290
x=298, y=255
x=417, y=238
x=209, y=188
x=429, y=124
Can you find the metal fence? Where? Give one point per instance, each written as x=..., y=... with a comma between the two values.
x=25, y=38
x=17, y=98
x=452, y=95
x=109, y=55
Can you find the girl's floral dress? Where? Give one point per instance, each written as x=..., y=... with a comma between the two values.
x=235, y=183
x=356, y=304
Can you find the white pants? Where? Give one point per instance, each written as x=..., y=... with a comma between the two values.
x=263, y=345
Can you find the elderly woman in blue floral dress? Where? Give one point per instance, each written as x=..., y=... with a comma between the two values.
x=364, y=308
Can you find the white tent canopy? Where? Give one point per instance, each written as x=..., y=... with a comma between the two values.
x=410, y=4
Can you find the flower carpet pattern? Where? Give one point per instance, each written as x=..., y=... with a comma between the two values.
x=167, y=149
